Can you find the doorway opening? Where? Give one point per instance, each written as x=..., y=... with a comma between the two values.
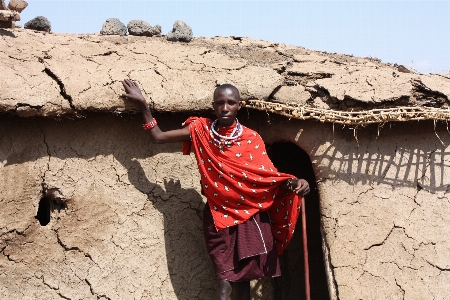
x=291, y=159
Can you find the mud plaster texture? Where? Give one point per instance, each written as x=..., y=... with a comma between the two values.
x=130, y=224
x=67, y=75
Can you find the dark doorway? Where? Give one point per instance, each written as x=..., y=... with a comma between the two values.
x=291, y=159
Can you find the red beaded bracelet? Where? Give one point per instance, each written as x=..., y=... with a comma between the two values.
x=150, y=125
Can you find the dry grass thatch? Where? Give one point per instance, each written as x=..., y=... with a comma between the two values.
x=352, y=118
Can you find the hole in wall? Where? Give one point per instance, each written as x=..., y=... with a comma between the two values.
x=50, y=206
x=291, y=159
x=43, y=213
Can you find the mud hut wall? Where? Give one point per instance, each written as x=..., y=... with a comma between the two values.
x=132, y=223
x=385, y=204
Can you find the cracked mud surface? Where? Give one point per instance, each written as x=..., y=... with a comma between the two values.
x=132, y=222
x=60, y=74
x=131, y=227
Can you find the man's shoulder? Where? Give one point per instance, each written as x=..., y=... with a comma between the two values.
x=202, y=119
x=195, y=119
x=250, y=132
x=206, y=120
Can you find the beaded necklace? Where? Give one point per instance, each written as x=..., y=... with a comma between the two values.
x=220, y=141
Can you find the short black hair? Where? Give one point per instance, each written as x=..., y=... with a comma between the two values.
x=227, y=86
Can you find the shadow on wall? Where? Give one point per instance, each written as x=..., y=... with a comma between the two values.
x=404, y=155
x=391, y=157
x=187, y=260
x=88, y=149
x=291, y=159
x=4, y=32
x=190, y=271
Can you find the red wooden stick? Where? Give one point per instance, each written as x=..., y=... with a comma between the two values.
x=305, y=251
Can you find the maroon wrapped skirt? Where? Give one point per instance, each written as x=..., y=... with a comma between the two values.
x=243, y=252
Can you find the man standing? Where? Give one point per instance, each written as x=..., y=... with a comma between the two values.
x=251, y=208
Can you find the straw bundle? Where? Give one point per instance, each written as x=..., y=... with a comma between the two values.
x=354, y=118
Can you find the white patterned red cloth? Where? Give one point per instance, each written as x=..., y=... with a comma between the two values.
x=239, y=180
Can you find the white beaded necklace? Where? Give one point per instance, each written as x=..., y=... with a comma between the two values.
x=220, y=141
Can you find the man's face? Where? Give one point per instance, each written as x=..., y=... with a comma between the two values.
x=226, y=105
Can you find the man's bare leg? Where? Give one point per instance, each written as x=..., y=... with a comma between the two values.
x=242, y=290
x=224, y=290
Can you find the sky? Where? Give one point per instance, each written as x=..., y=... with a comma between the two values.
x=411, y=33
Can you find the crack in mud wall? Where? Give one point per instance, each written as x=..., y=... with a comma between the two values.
x=61, y=86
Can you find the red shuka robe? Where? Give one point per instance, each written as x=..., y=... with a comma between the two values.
x=240, y=180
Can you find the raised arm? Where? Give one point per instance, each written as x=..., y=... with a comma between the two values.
x=133, y=93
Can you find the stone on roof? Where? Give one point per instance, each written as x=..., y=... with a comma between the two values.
x=39, y=23
x=17, y=5
x=113, y=26
x=181, y=32
x=142, y=28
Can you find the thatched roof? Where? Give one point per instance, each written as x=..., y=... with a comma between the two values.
x=69, y=75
